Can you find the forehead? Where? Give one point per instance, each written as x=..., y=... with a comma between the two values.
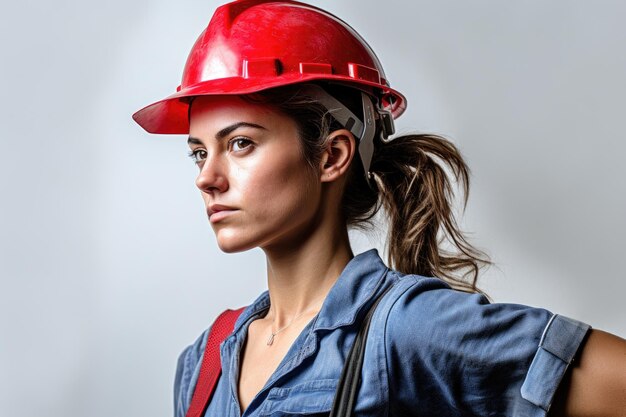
x=212, y=113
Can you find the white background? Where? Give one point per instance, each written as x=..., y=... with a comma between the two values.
x=108, y=265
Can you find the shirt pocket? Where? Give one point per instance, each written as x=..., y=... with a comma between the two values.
x=312, y=398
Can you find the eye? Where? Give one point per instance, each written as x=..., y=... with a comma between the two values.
x=197, y=155
x=239, y=144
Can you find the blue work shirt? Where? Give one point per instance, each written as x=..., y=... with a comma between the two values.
x=431, y=351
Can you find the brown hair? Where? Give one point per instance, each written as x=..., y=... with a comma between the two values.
x=409, y=181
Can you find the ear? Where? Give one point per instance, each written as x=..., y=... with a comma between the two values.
x=336, y=159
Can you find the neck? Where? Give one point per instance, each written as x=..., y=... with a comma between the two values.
x=301, y=275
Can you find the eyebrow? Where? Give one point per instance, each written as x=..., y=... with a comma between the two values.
x=226, y=131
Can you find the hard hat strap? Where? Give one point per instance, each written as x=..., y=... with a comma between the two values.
x=364, y=130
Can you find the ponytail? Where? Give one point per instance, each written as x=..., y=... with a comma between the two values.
x=416, y=192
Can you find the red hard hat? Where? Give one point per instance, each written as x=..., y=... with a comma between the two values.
x=253, y=45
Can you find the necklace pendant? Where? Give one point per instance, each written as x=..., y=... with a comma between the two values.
x=270, y=340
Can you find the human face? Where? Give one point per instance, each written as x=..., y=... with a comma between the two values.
x=253, y=177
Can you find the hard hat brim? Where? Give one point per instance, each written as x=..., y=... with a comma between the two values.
x=170, y=115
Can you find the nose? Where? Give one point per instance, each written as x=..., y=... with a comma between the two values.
x=212, y=177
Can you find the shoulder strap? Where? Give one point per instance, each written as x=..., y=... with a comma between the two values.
x=348, y=385
x=211, y=367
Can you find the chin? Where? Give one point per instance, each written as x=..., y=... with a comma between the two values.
x=233, y=244
x=233, y=248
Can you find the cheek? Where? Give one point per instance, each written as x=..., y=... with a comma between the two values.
x=277, y=199
x=281, y=186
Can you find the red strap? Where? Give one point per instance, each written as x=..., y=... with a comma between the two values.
x=211, y=367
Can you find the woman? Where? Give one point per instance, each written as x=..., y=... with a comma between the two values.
x=290, y=121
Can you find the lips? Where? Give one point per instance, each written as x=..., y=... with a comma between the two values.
x=217, y=208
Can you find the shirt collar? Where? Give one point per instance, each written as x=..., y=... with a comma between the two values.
x=360, y=280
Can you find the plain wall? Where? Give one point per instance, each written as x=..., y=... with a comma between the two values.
x=108, y=265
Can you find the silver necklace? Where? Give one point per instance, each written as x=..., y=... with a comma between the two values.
x=270, y=341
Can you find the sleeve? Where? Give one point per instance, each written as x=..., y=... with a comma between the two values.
x=455, y=354
x=187, y=371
